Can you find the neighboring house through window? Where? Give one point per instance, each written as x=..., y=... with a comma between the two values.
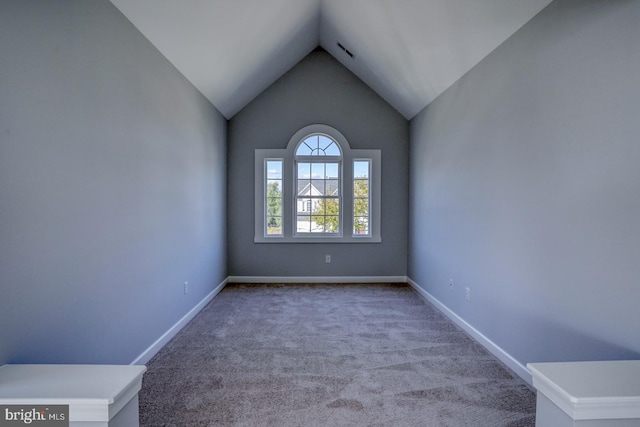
x=317, y=190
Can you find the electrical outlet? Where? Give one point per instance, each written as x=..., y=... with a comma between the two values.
x=450, y=283
x=467, y=294
x=327, y=259
x=186, y=288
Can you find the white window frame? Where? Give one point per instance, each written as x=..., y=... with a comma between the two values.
x=265, y=182
x=312, y=159
x=289, y=191
x=353, y=197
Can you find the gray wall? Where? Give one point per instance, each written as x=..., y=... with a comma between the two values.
x=525, y=187
x=318, y=90
x=112, y=186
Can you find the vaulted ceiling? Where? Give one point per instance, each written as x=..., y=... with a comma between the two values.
x=408, y=51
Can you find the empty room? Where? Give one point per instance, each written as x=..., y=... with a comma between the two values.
x=324, y=212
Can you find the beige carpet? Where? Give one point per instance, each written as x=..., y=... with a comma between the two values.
x=328, y=355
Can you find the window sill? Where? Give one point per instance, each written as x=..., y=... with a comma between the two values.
x=282, y=239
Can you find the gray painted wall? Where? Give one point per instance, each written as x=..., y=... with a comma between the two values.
x=112, y=186
x=525, y=187
x=318, y=90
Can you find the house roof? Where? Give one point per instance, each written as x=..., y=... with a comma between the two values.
x=408, y=51
x=317, y=187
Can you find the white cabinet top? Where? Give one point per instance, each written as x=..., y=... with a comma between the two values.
x=68, y=384
x=591, y=390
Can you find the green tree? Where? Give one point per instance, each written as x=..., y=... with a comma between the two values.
x=361, y=206
x=274, y=208
x=327, y=214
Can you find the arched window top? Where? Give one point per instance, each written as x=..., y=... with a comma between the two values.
x=318, y=140
x=318, y=145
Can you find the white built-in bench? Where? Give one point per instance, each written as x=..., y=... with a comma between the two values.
x=97, y=395
x=587, y=394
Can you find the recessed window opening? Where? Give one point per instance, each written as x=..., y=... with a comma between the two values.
x=317, y=190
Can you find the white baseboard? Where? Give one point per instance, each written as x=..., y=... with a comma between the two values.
x=166, y=337
x=493, y=348
x=317, y=279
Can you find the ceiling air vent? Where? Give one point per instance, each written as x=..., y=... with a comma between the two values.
x=345, y=50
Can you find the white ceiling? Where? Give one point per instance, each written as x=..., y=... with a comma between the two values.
x=408, y=51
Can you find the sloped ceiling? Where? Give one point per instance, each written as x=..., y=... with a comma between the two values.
x=408, y=51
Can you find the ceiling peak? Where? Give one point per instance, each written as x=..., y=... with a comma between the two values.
x=408, y=52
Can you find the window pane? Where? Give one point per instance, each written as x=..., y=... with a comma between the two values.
x=317, y=187
x=361, y=197
x=304, y=187
x=361, y=169
x=274, y=169
x=274, y=187
x=331, y=224
x=333, y=206
x=309, y=147
x=303, y=206
x=304, y=149
x=332, y=150
x=273, y=198
x=274, y=225
x=361, y=226
x=361, y=188
x=303, y=224
x=317, y=206
x=361, y=208
x=274, y=207
x=331, y=187
x=317, y=170
x=324, y=142
x=331, y=170
x=317, y=224
x=304, y=170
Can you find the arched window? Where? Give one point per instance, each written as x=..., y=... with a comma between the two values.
x=318, y=166
x=318, y=189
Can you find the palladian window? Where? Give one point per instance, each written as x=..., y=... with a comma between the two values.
x=317, y=190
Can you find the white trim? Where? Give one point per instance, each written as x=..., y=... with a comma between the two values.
x=330, y=238
x=317, y=279
x=590, y=390
x=493, y=348
x=166, y=337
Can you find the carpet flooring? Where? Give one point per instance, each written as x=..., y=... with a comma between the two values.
x=328, y=355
